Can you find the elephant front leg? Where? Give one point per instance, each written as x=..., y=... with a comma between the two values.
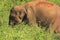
x=55, y=26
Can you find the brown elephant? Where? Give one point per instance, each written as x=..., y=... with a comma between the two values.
x=46, y=14
x=39, y=0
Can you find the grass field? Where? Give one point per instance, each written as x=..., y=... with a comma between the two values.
x=21, y=31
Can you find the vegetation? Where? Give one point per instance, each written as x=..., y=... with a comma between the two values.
x=21, y=31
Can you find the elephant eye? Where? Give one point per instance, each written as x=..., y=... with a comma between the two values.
x=20, y=12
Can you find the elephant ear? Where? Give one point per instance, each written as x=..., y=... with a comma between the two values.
x=25, y=11
x=31, y=15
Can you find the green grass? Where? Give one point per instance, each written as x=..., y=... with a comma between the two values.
x=21, y=32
